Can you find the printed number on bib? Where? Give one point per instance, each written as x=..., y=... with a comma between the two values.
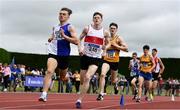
x=145, y=64
x=93, y=48
x=110, y=53
x=58, y=36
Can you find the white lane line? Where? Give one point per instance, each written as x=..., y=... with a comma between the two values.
x=132, y=103
x=44, y=104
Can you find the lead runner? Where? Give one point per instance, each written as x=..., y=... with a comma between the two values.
x=94, y=37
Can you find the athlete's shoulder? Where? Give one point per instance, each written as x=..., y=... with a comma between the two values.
x=141, y=56
x=131, y=60
x=70, y=26
x=86, y=28
x=149, y=55
x=106, y=33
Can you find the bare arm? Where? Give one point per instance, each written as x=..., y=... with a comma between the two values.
x=121, y=44
x=153, y=64
x=107, y=43
x=161, y=65
x=73, y=39
x=52, y=36
x=83, y=34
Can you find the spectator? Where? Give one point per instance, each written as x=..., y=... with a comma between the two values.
x=167, y=87
x=35, y=72
x=1, y=73
x=7, y=74
x=23, y=72
x=94, y=83
x=76, y=76
x=19, y=73
x=13, y=77
x=68, y=82
x=160, y=86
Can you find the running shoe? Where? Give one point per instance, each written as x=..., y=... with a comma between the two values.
x=172, y=98
x=138, y=100
x=151, y=97
x=100, y=97
x=146, y=98
x=43, y=98
x=78, y=104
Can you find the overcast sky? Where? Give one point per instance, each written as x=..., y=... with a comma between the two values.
x=25, y=25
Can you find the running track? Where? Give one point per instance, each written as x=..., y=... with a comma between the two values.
x=67, y=101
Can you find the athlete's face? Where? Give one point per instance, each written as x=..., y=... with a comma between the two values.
x=63, y=16
x=146, y=51
x=134, y=56
x=97, y=19
x=113, y=30
x=154, y=53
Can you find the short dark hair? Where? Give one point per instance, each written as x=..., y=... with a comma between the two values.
x=154, y=49
x=134, y=53
x=67, y=9
x=146, y=47
x=98, y=13
x=113, y=24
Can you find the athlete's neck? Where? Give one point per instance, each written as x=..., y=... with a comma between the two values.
x=97, y=27
x=63, y=23
x=113, y=35
x=145, y=54
x=154, y=55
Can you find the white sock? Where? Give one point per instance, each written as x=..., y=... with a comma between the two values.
x=44, y=93
x=78, y=101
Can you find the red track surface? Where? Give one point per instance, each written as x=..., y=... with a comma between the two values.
x=67, y=101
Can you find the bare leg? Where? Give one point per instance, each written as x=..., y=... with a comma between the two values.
x=154, y=86
x=51, y=66
x=141, y=80
x=114, y=76
x=91, y=70
x=104, y=70
x=150, y=89
x=133, y=83
x=82, y=75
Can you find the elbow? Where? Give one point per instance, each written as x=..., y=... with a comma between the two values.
x=76, y=42
x=126, y=49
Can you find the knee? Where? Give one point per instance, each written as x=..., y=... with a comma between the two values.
x=102, y=76
x=87, y=78
x=113, y=81
x=140, y=85
x=49, y=71
x=132, y=83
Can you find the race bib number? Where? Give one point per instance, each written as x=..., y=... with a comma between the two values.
x=144, y=64
x=110, y=53
x=58, y=36
x=93, y=48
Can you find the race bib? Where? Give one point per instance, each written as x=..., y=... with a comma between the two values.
x=93, y=48
x=58, y=36
x=145, y=64
x=110, y=53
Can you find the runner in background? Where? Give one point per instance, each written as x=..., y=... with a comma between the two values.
x=134, y=74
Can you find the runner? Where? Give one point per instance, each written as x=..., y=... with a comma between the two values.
x=158, y=70
x=134, y=74
x=147, y=65
x=91, y=52
x=59, y=49
x=111, y=60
